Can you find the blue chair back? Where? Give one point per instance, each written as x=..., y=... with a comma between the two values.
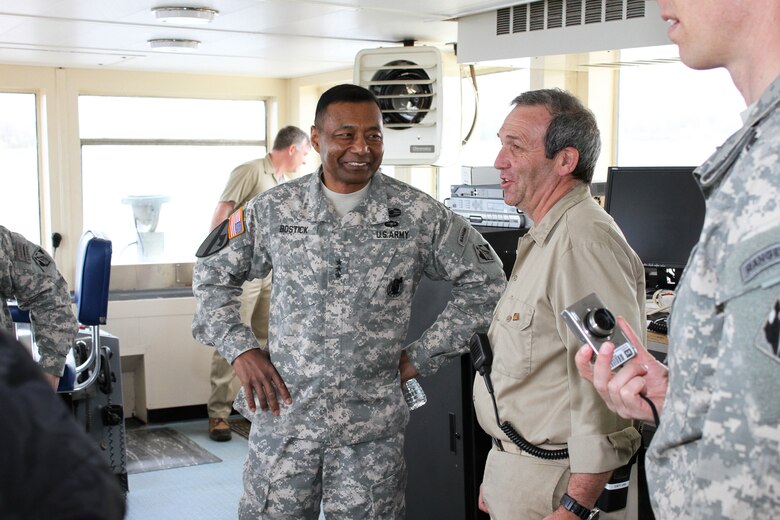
x=93, y=272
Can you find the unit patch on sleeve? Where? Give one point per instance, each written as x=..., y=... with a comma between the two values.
x=769, y=336
x=484, y=254
x=216, y=240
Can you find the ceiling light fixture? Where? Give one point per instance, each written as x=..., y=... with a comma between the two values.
x=174, y=45
x=184, y=15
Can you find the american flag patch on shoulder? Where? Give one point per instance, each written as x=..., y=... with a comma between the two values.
x=236, y=223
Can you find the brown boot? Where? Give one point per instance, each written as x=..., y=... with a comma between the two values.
x=219, y=430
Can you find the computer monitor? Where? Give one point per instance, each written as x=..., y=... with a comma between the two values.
x=660, y=211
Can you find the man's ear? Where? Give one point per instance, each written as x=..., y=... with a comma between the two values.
x=566, y=160
x=315, y=139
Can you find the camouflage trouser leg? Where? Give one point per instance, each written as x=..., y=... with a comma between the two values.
x=366, y=480
x=283, y=479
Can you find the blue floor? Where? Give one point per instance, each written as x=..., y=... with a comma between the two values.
x=205, y=492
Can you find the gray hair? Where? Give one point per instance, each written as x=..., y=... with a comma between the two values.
x=572, y=125
x=288, y=136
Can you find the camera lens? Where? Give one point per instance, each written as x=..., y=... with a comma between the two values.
x=600, y=322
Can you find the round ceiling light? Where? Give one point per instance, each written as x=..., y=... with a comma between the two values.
x=174, y=45
x=184, y=15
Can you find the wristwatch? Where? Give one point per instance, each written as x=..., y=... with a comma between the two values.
x=578, y=509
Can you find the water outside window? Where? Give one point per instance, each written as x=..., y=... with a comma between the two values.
x=153, y=169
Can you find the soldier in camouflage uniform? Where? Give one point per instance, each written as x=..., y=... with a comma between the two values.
x=29, y=275
x=348, y=247
x=716, y=453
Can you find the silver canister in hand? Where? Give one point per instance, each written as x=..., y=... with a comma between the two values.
x=414, y=394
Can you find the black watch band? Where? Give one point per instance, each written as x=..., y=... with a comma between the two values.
x=578, y=509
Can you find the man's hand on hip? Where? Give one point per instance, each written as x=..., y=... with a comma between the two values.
x=259, y=377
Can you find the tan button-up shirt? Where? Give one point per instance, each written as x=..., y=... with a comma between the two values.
x=574, y=250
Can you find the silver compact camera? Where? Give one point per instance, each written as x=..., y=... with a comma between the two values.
x=592, y=323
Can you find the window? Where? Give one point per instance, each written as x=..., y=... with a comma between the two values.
x=153, y=169
x=20, y=197
x=496, y=92
x=669, y=114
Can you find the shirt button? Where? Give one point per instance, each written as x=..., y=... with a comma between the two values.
x=514, y=277
x=509, y=318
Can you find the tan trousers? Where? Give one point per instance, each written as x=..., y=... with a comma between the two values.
x=522, y=487
x=255, y=307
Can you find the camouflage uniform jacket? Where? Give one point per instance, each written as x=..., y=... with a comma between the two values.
x=716, y=454
x=29, y=275
x=341, y=298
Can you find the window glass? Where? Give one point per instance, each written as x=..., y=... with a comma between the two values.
x=669, y=114
x=496, y=92
x=154, y=196
x=19, y=198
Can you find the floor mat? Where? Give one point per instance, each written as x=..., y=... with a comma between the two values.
x=240, y=426
x=156, y=449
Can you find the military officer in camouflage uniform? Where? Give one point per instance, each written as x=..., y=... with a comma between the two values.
x=717, y=451
x=348, y=247
x=29, y=275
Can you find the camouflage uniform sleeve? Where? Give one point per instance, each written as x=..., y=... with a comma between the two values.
x=462, y=256
x=216, y=284
x=39, y=288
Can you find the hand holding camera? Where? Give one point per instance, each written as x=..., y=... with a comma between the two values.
x=594, y=324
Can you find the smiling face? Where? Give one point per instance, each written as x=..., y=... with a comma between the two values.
x=526, y=173
x=349, y=141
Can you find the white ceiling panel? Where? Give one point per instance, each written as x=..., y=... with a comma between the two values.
x=271, y=38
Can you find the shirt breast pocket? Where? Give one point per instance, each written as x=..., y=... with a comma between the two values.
x=512, y=337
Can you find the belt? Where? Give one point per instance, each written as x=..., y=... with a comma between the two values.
x=510, y=447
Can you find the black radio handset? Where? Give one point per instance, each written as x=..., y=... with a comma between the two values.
x=482, y=359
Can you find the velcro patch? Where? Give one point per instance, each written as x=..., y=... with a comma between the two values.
x=236, y=224
x=768, y=337
x=759, y=262
x=217, y=240
x=484, y=253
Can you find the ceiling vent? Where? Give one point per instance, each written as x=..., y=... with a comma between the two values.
x=547, y=27
x=419, y=94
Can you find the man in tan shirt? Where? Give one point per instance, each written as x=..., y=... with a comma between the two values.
x=550, y=144
x=245, y=182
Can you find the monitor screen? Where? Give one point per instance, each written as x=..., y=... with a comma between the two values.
x=659, y=209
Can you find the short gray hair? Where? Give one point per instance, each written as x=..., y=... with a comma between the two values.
x=288, y=136
x=571, y=125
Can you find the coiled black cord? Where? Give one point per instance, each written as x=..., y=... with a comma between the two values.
x=518, y=439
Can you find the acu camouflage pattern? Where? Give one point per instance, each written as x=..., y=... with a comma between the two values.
x=284, y=479
x=341, y=300
x=29, y=275
x=716, y=454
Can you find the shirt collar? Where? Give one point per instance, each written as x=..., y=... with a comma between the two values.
x=373, y=209
x=541, y=230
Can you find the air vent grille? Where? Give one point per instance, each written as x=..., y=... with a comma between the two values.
x=635, y=9
x=520, y=18
x=574, y=12
x=593, y=11
x=555, y=14
x=537, y=16
x=502, y=21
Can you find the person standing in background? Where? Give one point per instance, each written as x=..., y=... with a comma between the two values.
x=289, y=152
